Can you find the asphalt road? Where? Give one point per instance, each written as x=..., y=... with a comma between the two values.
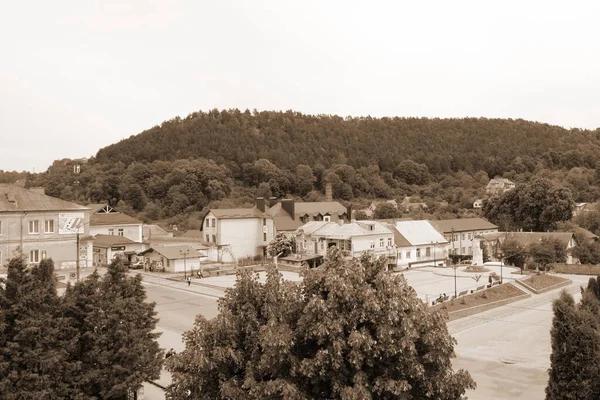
x=507, y=349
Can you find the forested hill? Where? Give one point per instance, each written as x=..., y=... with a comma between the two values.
x=289, y=138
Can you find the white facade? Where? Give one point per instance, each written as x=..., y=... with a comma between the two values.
x=133, y=231
x=237, y=238
x=424, y=254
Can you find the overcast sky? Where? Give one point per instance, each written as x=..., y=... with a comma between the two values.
x=78, y=75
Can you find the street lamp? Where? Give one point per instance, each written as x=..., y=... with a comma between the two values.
x=184, y=253
x=77, y=246
x=454, y=267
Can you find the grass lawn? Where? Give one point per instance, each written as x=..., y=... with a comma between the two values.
x=497, y=293
x=539, y=282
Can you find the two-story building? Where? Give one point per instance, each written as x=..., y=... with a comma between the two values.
x=39, y=226
x=246, y=232
x=353, y=238
x=461, y=233
x=423, y=244
x=106, y=220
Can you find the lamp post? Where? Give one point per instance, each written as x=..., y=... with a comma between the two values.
x=184, y=253
x=77, y=247
x=454, y=266
x=434, y=245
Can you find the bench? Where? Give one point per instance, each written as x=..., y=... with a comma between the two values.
x=464, y=292
x=480, y=288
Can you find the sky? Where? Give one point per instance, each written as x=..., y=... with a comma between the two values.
x=78, y=75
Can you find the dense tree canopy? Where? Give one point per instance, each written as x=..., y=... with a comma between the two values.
x=348, y=331
x=537, y=206
x=95, y=342
x=225, y=158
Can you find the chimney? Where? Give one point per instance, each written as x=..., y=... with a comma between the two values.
x=273, y=201
x=260, y=203
x=288, y=206
x=328, y=192
x=349, y=213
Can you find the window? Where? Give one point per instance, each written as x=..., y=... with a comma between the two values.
x=470, y=236
x=264, y=236
x=470, y=250
x=264, y=222
x=327, y=218
x=207, y=222
x=389, y=242
x=418, y=252
x=208, y=238
x=44, y=254
x=34, y=226
x=462, y=250
x=214, y=238
x=428, y=252
x=111, y=231
x=399, y=255
x=49, y=226
x=408, y=254
x=34, y=256
x=120, y=231
x=213, y=222
x=462, y=236
x=372, y=244
x=381, y=242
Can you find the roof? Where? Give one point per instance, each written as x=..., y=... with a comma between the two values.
x=335, y=230
x=174, y=252
x=236, y=212
x=463, y=224
x=420, y=232
x=153, y=230
x=284, y=222
x=192, y=233
x=16, y=198
x=106, y=241
x=103, y=214
x=399, y=239
x=527, y=238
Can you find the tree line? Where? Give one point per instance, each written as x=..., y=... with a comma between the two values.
x=97, y=341
x=229, y=157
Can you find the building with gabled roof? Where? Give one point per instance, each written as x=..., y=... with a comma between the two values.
x=461, y=232
x=246, y=232
x=493, y=241
x=497, y=186
x=39, y=226
x=182, y=258
x=425, y=244
x=107, y=247
x=107, y=220
x=353, y=238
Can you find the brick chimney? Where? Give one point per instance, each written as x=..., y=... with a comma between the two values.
x=260, y=203
x=349, y=213
x=328, y=192
x=289, y=206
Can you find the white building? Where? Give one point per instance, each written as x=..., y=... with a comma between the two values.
x=461, y=233
x=424, y=245
x=185, y=259
x=353, y=238
x=106, y=220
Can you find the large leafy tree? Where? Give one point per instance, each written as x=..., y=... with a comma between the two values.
x=32, y=343
x=547, y=251
x=349, y=331
x=537, y=206
x=116, y=345
x=282, y=245
x=514, y=253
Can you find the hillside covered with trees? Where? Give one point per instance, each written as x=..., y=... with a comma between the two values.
x=228, y=157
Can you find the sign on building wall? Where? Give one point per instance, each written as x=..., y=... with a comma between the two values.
x=70, y=223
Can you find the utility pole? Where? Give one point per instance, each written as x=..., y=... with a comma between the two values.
x=77, y=259
x=184, y=253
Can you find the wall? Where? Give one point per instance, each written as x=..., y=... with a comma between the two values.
x=461, y=239
x=361, y=244
x=14, y=235
x=244, y=236
x=133, y=232
x=423, y=259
